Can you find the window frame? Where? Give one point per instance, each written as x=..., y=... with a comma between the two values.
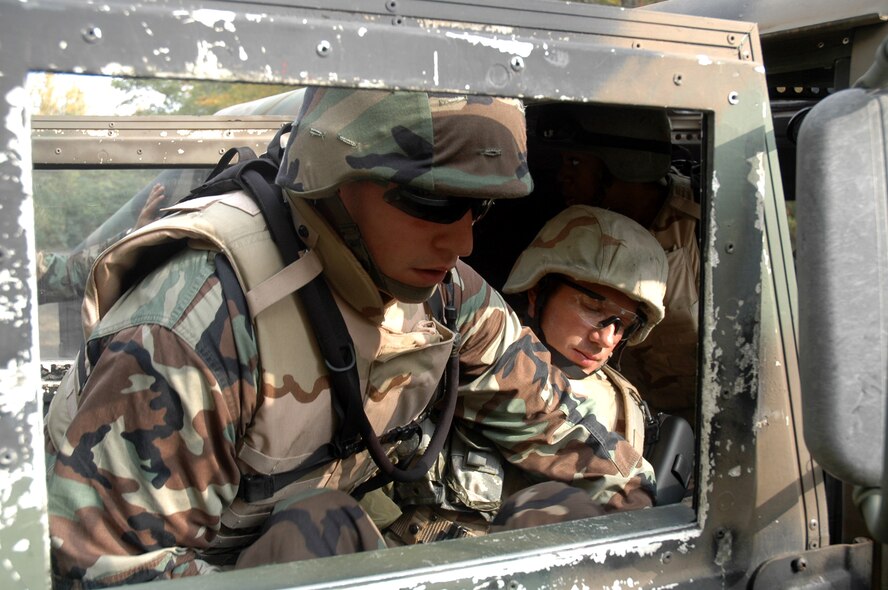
x=538, y=49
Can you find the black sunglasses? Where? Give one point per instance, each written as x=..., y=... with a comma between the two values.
x=435, y=208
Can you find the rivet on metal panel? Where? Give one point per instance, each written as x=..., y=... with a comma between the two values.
x=821, y=45
x=517, y=63
x=677, y=79
x=324, y=48
x=845, y=40
x=733, y=97
x=636, y=44
x=666, y=557
x=799, y=564
x=732, y=38
x=58, y=151
x=813, y=524
x=729, y=247
x=398, y=20
x=720, y=533
x=8, y=457
x=92, y=34
x=391, y=5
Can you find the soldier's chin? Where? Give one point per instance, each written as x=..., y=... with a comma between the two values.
x=408, y=293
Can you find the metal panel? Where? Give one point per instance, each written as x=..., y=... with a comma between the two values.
x=161, y=142
x=541, y=49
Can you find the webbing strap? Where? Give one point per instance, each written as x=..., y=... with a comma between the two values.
x=288, y=280
x=355, y=432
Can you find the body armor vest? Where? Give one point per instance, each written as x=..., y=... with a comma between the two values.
x=400, y=350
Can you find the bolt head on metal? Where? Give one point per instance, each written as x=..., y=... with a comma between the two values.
x=92, y=34
x=517, y=63
x=324, y=48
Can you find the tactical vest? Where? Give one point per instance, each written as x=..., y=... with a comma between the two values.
x=618, y=404
x=466, y=487
x=401, y=351
x=471, y=474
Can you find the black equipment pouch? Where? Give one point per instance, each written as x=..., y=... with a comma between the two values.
x=670, y=451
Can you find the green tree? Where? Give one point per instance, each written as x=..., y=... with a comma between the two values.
x=194, y=97
x=69, y=204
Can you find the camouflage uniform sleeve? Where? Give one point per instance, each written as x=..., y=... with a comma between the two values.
x=62, y=277
x=139, y=479
x=514, y=397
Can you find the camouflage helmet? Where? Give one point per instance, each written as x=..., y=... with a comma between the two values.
x=601, y=247
x=460, y=146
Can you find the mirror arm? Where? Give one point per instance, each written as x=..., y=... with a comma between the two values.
x=877, y=74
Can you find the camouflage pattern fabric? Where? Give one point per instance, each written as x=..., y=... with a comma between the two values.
x=338, y=138
x=664, y=366
x=61, y=277
x=601, y=247
x=315, y=523
x=152, y=430
x=139, y=479
x=544, y=503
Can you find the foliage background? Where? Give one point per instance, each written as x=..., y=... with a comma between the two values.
x=69, y=204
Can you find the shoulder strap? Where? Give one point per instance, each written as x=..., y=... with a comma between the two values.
x=256, y=177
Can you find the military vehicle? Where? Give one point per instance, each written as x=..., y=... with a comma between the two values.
x=790, y=387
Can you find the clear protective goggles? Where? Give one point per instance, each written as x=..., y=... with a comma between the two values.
x=596, y=311
x=435, y=208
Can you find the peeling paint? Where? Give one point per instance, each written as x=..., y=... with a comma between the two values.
x=117, y=69
x=735, y=471
x=207, y=64
x=208, y=17
x=434, y=24
x=704, y=60
x=22, y=488
x=507, y=46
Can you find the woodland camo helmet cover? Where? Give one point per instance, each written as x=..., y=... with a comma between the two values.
x=601, y=247
x=445, y=145
x=459, y=146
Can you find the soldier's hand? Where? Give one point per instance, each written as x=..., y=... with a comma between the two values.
x=152, y=205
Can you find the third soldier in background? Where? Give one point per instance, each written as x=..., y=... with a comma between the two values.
x=619, y=158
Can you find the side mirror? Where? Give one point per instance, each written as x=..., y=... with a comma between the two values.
x=842, y=196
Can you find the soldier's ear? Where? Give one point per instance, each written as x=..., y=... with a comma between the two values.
x=531, y=301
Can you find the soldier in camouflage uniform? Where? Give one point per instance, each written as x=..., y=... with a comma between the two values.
x=201, y=373
x=594, y=281
x=620, y=158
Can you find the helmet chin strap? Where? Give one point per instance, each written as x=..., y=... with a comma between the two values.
x=337, y=215
x=568, y=367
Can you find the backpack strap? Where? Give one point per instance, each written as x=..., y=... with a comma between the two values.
x=256, y=177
